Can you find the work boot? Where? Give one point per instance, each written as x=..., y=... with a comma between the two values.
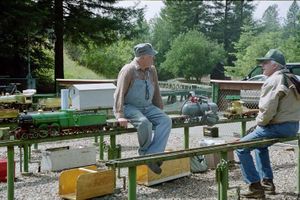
x=268, y=186
x=154, y=167
x=159, y=163
x=254, y=190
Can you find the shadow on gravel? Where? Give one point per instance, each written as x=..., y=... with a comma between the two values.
x=284, y=166
x=288, y=194
x=35, y=179
x=129, y=148
x=183, y=188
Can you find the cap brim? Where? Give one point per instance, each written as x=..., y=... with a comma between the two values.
x=153, y=53
x=263, y=59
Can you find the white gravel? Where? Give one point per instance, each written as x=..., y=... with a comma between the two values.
x=44, y=185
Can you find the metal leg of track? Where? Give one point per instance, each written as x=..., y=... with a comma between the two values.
x=96, y=140
x=29, y=152
x=298, y=169
x=101, y=147
x=222, y=177
x=26, y=157
x=113, y=146
x=186, y=138
x=10, y=172
x=243, y=133
x=132, y=183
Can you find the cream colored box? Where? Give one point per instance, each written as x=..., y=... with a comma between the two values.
x=86, y=183
x=171, y=169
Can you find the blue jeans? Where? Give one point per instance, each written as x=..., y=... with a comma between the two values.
x=145, y=119
x=262, y=170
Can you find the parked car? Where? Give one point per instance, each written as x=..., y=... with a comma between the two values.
x=292, y=67
x=251, y=97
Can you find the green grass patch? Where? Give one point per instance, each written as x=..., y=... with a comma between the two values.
x=73, y=70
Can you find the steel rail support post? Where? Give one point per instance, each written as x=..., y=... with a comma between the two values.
x=113, y=146
x=215, y=92
x=26, y=157
x=101, y=147
x=35, y=146
x=10, y=172
x=132, y=183
x=186, y=137
x=96, y=140
x=243, y=133
x=29, y=152
x=298, y=168
x=223, y=176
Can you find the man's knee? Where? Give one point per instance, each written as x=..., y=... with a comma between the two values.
x=167, y=121
x=145, y=123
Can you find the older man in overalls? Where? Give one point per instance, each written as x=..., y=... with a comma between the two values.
x=137, y=100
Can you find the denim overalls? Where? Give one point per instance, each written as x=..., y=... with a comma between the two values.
x=145, y=117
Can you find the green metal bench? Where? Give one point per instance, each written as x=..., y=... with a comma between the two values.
x=222, y=169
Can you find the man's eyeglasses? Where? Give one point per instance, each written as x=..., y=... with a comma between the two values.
x=147, y=91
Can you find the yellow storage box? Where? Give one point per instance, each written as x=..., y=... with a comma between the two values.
x=85, y=183
x=171, y=169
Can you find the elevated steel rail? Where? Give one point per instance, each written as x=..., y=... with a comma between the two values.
x=221, y=171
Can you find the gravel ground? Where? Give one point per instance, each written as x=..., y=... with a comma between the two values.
x=44, y=185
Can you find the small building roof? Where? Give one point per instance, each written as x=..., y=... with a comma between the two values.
x=100, y=86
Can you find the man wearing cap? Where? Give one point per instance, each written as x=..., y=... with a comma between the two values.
x=137, y=100
x=279, y=115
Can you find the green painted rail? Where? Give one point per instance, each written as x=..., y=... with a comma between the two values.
x=222, y=169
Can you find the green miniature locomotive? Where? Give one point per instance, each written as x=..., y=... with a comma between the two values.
x=45, y=124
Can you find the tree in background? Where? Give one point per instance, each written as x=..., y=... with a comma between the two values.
x=291, y=22
x=108, y=59
x=192, y=55
x=99, y=21
x=218, y=20
x=270, y=19
x=251, y=46
x=31, y=26
x=175, y=18
x=25, y=41
x=228, y=18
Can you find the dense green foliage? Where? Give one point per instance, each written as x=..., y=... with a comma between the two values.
x=218, y=20
x=192, y=55
x=190, y=36
x=256, y=40
x=108, y=60
x=30, y=28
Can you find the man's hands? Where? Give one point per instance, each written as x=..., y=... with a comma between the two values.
x=123, y=122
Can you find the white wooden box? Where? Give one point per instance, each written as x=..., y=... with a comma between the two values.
x=92, y=96
x=56, y=159
x=213, y=159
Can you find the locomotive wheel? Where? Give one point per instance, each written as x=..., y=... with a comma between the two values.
x=34, y=135
x=43, y=131
x=24, y=136
x=54, y=129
